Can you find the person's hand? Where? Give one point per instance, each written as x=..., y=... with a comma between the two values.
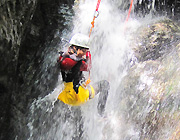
x=88, y=55
x=84, y=57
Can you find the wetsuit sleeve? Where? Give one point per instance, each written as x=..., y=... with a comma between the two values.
x=67, y=64
x=86, y=64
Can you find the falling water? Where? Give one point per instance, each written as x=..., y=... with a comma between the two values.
x=51, y=119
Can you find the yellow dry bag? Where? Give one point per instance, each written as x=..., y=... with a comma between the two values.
x=69, y=96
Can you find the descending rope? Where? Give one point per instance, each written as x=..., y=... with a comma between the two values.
x=92, y=23
x=128, y=13
x=95, y=16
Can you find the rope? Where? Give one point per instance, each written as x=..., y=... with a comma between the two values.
x=92, y=23
x=97, y=6
x=129, y=11
x=95, y=16
x=127, y=18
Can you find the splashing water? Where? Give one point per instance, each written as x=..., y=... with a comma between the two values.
x=51, y=119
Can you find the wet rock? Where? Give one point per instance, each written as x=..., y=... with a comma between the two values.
x=150, y=95
x=25, y=27
x=155, y=39
x=14, y=19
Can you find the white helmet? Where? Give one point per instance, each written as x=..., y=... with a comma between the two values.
x=80, y=40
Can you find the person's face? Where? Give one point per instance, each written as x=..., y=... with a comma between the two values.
x=81, y=52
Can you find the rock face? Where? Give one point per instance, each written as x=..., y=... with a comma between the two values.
x=25, y=27
x=14, y=19
x=150, y=91
x=170, y=7
x=156, y=39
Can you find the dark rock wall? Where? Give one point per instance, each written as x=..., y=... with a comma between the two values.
x=25, y=28
x=169, y=8
x=34, y=79
x=14, y=19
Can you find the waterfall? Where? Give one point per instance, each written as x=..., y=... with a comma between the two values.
x=111, y=57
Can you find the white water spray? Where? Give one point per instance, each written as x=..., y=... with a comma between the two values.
x=110, y=50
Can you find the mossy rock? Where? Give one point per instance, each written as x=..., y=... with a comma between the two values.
x=155, y=39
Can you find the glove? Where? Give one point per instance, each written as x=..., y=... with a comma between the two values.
x=88, y=60
x=88, y=55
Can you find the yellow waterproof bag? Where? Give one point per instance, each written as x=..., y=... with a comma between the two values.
x=69, y=96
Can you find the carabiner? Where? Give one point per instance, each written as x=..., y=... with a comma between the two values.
x=96, y=14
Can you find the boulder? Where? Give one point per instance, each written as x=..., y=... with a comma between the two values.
x=155, y=39
x=149, y=93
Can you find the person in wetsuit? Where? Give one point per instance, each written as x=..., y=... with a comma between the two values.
x=72, y=63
